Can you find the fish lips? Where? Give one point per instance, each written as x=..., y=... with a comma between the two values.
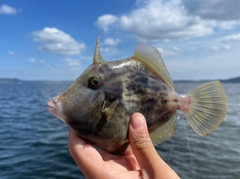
x=55, y=107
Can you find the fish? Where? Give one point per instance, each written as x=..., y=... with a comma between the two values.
x=99, y=103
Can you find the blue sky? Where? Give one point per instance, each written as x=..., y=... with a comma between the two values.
x=55, y=40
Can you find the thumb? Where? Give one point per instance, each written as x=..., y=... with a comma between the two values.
x=141, y=145
x=138, y=134
x=151, y=164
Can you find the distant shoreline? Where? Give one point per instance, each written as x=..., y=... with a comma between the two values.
x=230, y=80
x=19, y=81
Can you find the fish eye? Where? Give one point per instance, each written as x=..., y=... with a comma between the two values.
x=94, y=82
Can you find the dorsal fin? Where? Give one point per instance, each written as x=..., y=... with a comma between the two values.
x=150, y=56
x=97, y=58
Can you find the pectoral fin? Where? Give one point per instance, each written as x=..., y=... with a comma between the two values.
x=109, y=111
x=107, y=114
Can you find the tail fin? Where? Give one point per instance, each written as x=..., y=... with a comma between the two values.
x=208, y=107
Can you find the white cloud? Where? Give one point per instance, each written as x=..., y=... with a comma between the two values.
x=6, y=9
x=223, y=10
x=33, y=60
x=214, y=48
x=227, y=25
x=105, y=21
x=165, y=53
x=108, y=50
x=12, y=53
x=111, y=41
x=227, y=47
x=73, y=64
x=176, y=49
x=56, y=41
x=158, y=20
x=233, y=37
x=69, y=66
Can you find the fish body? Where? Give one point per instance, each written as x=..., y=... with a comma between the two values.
x=98, y=105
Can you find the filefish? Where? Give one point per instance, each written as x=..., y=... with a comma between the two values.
x=98, y=105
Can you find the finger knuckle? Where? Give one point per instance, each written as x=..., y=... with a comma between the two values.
x=143, y=143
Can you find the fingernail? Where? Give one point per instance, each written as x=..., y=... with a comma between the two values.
x=137, y=123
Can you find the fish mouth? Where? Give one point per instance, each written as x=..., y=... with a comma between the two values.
x=55, y=106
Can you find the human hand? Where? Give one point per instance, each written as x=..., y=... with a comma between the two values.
x=140, y=160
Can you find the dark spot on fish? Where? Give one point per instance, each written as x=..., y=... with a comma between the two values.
x=128, y=94
x=120, y=105
x=136, y=88
x=113, y=89
x=114, y=75
x=152, y=82
x=175, y=100
x=131, y=70
x=150, y=100
x=155, y=88
x=164, y=102
x=132, y=76
x=100, y=70
x=130, y=86
x=164, y=87
x=142, y=79
x=163, y=94
x=148, y=104
x=106, y=67
x=140, y=91
x=111, y=97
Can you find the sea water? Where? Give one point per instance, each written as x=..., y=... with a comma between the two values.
x=34, y=143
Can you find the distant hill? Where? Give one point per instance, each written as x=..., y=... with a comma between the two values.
x=18, y=81
x=190, y=81
x=231, y=80
x=9, y=80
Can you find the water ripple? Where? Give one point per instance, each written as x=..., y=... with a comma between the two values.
x=34, y=144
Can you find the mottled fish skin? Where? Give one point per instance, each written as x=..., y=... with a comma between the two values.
x=137, y=90
x=98, y=105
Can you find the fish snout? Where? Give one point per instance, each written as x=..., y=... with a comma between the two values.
x=55, y=107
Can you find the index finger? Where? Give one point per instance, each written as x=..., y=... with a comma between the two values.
x=85, y=155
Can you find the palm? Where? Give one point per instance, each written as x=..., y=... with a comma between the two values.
x=100, y=164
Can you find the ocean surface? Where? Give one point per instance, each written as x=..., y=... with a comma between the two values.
x=34, y=143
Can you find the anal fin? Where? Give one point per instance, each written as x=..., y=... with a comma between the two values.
x=164, y=132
